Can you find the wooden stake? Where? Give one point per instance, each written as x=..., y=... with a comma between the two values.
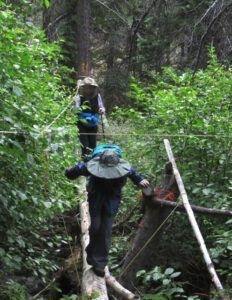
x=192, y=220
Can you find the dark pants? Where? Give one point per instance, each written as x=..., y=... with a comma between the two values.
x=88, y=140
x=100, y=239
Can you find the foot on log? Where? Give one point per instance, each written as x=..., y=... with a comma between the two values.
x=99, y=271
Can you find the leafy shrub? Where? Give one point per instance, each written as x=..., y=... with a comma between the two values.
x=32, y=160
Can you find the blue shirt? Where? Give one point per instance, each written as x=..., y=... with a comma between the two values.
x=104, y=195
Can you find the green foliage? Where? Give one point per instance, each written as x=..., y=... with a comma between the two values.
x=13, y=291
x=181, y=107
x=166, y=281
x=33, y=158
x=47, y=3
x=175, y=104
x=194, y=114
x=221, y=251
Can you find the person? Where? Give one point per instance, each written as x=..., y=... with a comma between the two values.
x=89, y=106
x=107, y=173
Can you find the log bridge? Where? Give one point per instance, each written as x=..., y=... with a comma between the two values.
x=159, y=204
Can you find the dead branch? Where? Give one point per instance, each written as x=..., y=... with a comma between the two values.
x=205, y=34
x=195, y=208
x=193, y=222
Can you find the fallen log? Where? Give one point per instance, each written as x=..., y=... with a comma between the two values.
x=92, y=285
x=195, y=208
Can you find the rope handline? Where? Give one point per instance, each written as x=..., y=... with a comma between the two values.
x=151, y=237
x=56, y=118
x=45, y=128
x=72, y=253
x=132, y=134
x=158, y=135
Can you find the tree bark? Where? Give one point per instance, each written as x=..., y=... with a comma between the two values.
x=150, y=229
x=83, y=38
x=195, y=208
x=117, y=287
x=52, y=17
x=92, y=285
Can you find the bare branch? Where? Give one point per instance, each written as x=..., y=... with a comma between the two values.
x=113, y=11
x=195, y=208
x=202, y=18
x=206, y=32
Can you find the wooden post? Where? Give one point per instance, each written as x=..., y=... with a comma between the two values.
x=192, y=220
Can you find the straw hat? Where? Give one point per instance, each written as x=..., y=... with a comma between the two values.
x=88, y=81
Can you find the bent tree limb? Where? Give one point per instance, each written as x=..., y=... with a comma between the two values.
x=117, y=287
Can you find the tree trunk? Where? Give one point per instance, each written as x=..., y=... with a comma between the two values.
x=142, y=254
x=53, y=17
x=83, y=38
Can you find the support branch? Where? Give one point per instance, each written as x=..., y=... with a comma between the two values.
x=192, y=220
x=195, y=208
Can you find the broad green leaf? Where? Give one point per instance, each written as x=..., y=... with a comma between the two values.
x=47, y=3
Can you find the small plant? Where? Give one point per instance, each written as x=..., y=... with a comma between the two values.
x=14, y=291
x=162, y=282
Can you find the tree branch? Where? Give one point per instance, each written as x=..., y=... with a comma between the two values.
x=116, y=13
x=205, y=34
x=195, y=208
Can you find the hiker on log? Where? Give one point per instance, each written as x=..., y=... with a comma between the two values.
x=89, y=108
x=107, y=173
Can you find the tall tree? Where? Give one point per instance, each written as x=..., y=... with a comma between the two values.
x=82, y=62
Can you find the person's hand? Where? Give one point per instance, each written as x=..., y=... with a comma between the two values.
x=144, y=183
x=101, y=110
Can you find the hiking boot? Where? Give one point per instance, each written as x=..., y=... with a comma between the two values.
x=99, y=271
x=89, y=261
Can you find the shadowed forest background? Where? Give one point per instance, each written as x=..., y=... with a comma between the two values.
x=164, y=70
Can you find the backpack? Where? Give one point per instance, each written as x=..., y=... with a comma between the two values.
x=89, y=120
x=101, y=148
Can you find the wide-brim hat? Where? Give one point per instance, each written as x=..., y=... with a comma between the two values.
x=88, y=81
x=109, y=166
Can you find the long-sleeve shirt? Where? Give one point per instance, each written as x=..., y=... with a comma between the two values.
x=94, y=104
x=104, y=195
